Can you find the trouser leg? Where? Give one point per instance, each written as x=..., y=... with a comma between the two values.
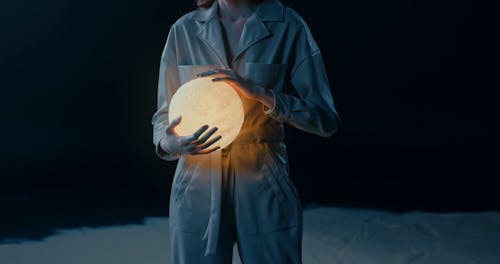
x=228, y=226
x=277, y=247
x=186, y=248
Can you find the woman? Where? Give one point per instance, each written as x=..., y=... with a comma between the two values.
x=242, y=193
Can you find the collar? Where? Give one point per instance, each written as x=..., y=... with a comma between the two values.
x=269, y=10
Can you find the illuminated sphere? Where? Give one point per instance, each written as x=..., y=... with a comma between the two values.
x=204, y=102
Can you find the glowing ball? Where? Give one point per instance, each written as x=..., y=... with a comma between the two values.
x=202, y=101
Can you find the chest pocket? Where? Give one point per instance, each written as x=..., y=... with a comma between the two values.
x=270, y=76
x=188, y=72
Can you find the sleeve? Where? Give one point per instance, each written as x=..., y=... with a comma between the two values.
x=168, y=82
x=308, y=104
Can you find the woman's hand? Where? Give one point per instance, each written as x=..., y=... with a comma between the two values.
x=194, y=144
x=241, y=86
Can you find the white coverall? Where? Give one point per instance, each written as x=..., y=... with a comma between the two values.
x=243, y=193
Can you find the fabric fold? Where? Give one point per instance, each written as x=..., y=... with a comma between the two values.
x=211, y=234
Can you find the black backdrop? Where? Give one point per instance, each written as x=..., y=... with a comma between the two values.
x=413, y=82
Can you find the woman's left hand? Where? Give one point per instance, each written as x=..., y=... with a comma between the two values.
x=240, y=85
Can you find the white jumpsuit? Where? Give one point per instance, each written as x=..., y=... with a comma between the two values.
x=243, y=193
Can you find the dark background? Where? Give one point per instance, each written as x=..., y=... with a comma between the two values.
x=413, y=81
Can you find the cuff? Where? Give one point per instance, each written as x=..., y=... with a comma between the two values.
x=268, y=111
x=164, y=155
x=278, y=112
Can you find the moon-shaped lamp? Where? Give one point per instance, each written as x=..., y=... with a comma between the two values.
x=202, y=101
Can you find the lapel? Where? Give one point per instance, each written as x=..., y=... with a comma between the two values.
x=210, y=31
x=211, y=35
x=254, y=30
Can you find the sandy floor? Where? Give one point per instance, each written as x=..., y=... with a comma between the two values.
x=331, y=235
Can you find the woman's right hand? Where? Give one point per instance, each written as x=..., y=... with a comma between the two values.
x=194, y=144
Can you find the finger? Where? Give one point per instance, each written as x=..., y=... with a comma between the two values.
x=194, y=147
x=206, y=136
x=225, y=72
x=207, y=73
x=210, y=143
x=218, y=79
x=188, y=139
x=170, y=129
x=200, y=131
x=206, y=151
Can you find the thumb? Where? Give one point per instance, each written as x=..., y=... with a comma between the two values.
x=171, y=126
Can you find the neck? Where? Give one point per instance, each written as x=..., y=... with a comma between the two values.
x=235, y=8
x=234, y=3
